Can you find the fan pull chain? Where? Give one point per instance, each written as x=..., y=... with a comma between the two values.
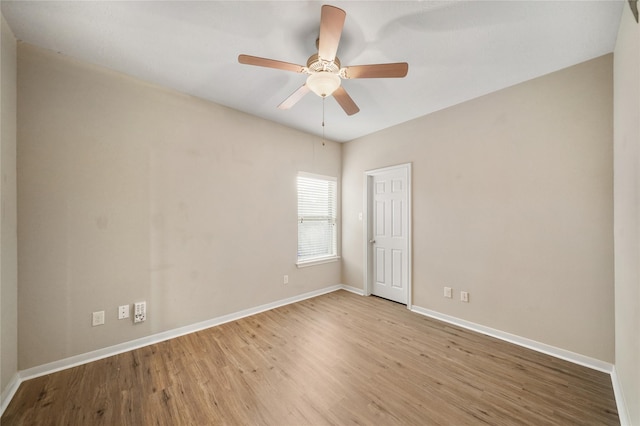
x=323, y=98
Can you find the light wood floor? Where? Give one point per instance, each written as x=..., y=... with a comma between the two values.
x=336, y=359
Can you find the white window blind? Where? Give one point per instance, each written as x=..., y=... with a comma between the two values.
x=317, y=207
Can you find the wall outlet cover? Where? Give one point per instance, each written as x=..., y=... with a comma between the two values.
x=97, y=318
x=139, y=312
x=123, y=312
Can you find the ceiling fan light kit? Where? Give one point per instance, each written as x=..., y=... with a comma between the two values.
x=323, y=83
x=324, y=69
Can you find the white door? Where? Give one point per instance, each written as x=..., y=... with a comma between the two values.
x=389, y=233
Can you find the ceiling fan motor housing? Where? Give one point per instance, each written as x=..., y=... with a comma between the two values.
x=315, y=64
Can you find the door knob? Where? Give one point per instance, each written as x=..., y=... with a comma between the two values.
x=372, y=241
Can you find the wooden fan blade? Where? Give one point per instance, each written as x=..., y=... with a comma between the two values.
x=395, y=70
x=345, y=101
x=331, y=23
x=295, y=97
x=269, y=63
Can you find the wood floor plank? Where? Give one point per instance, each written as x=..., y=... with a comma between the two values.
x=336, y=359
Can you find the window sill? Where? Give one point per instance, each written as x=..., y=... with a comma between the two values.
x=306, y=263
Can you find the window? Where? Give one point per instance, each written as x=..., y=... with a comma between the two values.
x=317, y=205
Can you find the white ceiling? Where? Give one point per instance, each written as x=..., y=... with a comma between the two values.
x=456, y=50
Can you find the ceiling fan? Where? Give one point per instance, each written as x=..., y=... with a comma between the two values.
x=324, y=68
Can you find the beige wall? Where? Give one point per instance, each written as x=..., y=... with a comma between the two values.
x=512, y=202
x=131, y=192
x=627, y=210
x=8, y=227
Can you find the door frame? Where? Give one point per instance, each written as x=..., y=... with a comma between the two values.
x=368, y=227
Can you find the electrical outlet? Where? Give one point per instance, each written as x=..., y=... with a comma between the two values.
x=464, y=296
x=447, y=292
x=123, y=312
x=97, y=318
x=139, y=311
x=286, y=279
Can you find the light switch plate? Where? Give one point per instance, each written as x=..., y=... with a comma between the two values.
x=447, y=292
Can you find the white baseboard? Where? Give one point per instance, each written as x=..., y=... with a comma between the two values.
x=623, y=413
x=351, y=289
x=74, y=361
x=52, y=367
x=85, y=358
x=9, y=391
x=573, y=357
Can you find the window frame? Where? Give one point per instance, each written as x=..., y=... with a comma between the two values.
x=316, y=260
